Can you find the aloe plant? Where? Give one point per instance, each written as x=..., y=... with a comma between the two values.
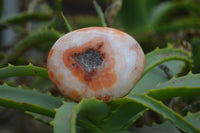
x=96, y=116
x=159, y=16
x=167, y=74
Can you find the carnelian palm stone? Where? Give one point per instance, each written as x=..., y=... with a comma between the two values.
x=99, y=62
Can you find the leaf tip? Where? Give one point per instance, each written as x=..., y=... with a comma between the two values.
x=157, y=48
x=10, y=65
x=51, y=123
x=190, y=73
x=5, y=83
x=30, y=64
x=169, y=45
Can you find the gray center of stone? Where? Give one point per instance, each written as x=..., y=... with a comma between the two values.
x=90, y=59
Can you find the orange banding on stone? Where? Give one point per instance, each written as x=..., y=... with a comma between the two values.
x=58, y=82
x=50, y=54
x=104, y=29
x=95, y=84
x=119, y=32
x=105, y=99
x=107, y=80
x=102, y=76
x=60, y=77
x=51, y=74
x=74, y=94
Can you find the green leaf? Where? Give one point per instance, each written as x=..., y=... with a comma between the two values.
x=87, y=109
x=63, y=119
x=159, y=56
x=194, y=119
x=157, y=75
x=58, y=4
x=153, y=75
x=82, y=21
x=41, y=83
x=122, y=131
x=165, y=127
x=87, y=114
x=28, y=100
x=23, y=17
x=179, y=24
x=100, y=13
x=134, y=14
x=195, y=41
x=175, y=66
x=43, y=118
x=188, y=85
x=162, y=13
x=24, y=70
x=124, y=113
x=163, y=110
x=150, y=80
x=34, y=39
x=66, y=22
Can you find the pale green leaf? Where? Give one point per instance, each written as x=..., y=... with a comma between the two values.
x=159, y=56
x=188, y=85
x=165, y=127
x=23, y=70
x=29, y=100
x=194, y=118
x=63, y=119
x=163, y=110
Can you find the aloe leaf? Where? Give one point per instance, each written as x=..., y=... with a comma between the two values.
x=159, y=56
x=83, y=117
x=163, y=12
x=175, y=66
x=124, y=113
x=23, y=17
x=88, y=108
x=150, y=80
x=188, y=85
x=87, y=114
x=23, y=70
x=123, y=131
x=40, y=83
x=29, y=100
x=43, y=118
x=66, y=22
x=138, y=19
x=34, y=39
x=58, y=4
x=63, y=119
x=179, y=24
x=165, y=127
x=195, y=41
x=160, y=108
x=100, y=13
x=173, y=59
x=194, y=118
x=157, y=75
